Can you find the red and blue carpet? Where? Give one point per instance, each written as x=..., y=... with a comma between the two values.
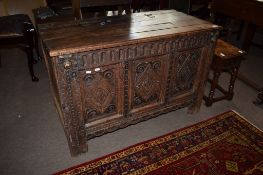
x=223, y=145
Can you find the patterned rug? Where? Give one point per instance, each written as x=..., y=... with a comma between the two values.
x=226, y=144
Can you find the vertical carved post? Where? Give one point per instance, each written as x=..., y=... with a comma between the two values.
x=233, y=77
x=170, y=72
x=70, y=96
x=126, y=88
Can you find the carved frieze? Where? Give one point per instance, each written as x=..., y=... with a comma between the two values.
x=184, y=42
x=113, y=55
x=129, y=52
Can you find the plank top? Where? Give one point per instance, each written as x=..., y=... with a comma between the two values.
x=77, y=36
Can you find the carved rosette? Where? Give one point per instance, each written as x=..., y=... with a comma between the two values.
x=70, y=63
x=147, y=82
x=186, y=68
x=100, y=97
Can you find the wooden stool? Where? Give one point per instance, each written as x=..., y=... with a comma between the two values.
x=18, y=31
x=227, y=58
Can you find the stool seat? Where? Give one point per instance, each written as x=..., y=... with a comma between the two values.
x=227, y=58
x=18, y=31
x=225, y=50
x=13, y=25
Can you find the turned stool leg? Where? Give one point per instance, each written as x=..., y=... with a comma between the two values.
x=36, y=44
x=210, y=97
x=232, y=83
x=30, y=36
x=30, y=60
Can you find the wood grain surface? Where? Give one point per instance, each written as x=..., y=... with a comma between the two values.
x=76, y=36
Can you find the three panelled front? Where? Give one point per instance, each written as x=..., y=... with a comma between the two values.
x=137, y=79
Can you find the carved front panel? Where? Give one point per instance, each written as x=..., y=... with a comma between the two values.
x=185, y=67
x=148, y=80
x=101, y=92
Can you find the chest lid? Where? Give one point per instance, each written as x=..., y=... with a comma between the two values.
x=77, y=36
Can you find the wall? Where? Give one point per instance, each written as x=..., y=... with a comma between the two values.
x=22, y=6
x=3, y=10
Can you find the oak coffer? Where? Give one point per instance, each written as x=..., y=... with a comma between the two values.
x=111, y=72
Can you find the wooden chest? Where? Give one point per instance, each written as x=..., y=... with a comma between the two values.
x=111, y=72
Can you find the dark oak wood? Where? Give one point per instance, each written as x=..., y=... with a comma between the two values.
x=226, y=58
x=108, y=73
x=250, y=11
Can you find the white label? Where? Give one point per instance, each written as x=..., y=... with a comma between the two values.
x=223, y=55
x=97, y=69
x=88, y=72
